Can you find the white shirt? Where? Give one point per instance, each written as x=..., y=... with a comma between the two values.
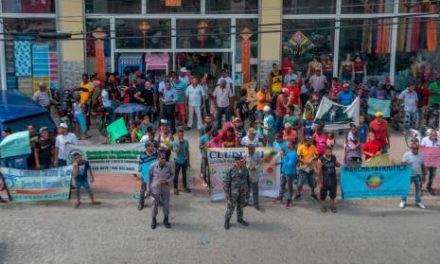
x=222, y=96
x=195, y=95
x=228, y=80
x=105, y=99
x=246, y=141
x=61, y=141
x=427, y=142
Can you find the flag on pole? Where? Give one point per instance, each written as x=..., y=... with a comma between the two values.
x=335, y=116
x=116, y=130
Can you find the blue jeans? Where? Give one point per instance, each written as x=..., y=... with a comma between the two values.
x=82, y=183
x=279, y=124
x=431, y=171
x=302, y=177
x=417, y=180
x=411, y=120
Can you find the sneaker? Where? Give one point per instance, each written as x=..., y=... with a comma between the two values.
x=242, y=222
x=402, y=204
x=420, y=205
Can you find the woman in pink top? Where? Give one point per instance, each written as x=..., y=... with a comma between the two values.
x=320, y=139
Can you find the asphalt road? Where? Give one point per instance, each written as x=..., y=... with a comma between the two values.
x=369, y=231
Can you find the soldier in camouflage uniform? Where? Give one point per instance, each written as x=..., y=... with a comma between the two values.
x=237, y=191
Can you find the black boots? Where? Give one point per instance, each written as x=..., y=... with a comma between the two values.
x=241, y=221
x=227, y=225
x=166, y=223
x=153, y=223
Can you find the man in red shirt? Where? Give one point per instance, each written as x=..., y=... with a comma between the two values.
x=379, y=127
x=423, y=94
x=292, y=92
x=280, y=110
x=372, y=147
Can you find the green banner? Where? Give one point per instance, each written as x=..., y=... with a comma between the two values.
x=116, y=130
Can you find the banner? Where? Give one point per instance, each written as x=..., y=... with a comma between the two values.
x=38, y=185
x=116, y=130
x=335, y=116
x=431, y=156
x=15, y=144
x=375, y=182
x=220, y=160
x=378, y=105
x=121, y=158
x=145, y=170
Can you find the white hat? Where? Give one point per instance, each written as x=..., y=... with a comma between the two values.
x=183, y=69
x=266, y=109
x=63, y=125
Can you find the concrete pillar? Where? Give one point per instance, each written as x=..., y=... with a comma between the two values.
x=72, y=52
x=271, y=19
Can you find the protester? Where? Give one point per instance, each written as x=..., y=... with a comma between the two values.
x=227, y=79
x=222, y=95
x=166, y=140
x=307, y=156
x=83, y=175
x=180, y=87
x=146, y=96
x=422, y=102
x=280, y=110
x=418, y=172
x=145, y=160
x=250, y=139
x=79, y=120
x=253, y=163
x=290, y=77
x=135, y=132
x=263, y=100
x=194, y=97
x=44, y=150
x=239, y=129
x=410, y=101
x=289, y=159
x=318, y=82
x=43, y=97
x=145, y=124
x=204, y=145
x=161, y=178
x=236, y=185
x=352, y=147
x=320, y=140
x=86, y=89
x=346, y=96
x=431, y=141
x=169, y=98
x=268, y=127
x=275, y=79
x=290, y=133
x=362, y=129
x=379, y=126
x=63, y=139
x=307, y=126
x=327, y=179
x=181, y=161
x=372, y=147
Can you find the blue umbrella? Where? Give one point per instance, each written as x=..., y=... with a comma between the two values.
x=130, y=108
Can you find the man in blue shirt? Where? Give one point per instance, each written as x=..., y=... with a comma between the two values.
x=169, y=98
x=289, y=162
x=345, y=97
x=181, y=161
x=180, y=87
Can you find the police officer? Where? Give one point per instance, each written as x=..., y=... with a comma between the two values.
x=161, y=179
x=145, y=160
x=237, y=191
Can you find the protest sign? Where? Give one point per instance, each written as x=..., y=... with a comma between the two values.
x=15, y=144
x=375, y=182
x=431, y=156
x=378, y=105
x=335, y=116
x=38, y=185
x=121, y=158
x=220, y=160
x=116, y=130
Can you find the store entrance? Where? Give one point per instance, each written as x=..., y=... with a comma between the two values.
x=201, y=63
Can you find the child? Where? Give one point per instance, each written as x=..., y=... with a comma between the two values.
x=307, y=128
x=146, y=159
x=362, y=129
x=81, y=169
x=327, y=179
x=79, y=119
x=204, y=145
x=331, y=141
x=136, y=133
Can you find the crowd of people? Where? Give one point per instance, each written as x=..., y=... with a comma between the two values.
x=283, y=119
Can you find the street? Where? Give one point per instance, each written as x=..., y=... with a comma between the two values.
x=366, y=231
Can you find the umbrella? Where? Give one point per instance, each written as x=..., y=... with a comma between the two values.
x=299, y=43
x=130, y=108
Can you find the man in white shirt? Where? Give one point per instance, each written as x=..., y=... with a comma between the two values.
x=229, y=81
x=195, y=96
x=433, y=142
x=250, y=139
x=62, y=140
x=318, y=82
x=183, y=77
x=221, y=100
x=410, y=100
x=43, y=97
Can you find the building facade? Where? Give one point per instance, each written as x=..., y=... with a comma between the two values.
x=388, y=38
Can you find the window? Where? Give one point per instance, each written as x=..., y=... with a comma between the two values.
x=305, y=39
x=113, y=6
x=367, y=6
x=129, y=35
x=370, y=42
x=203, y=34
x=173, y=6
x=309, y=6
x=231, y=6
x=28, y=6
x=418, y=49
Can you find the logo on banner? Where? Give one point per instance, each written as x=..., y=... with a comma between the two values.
x=71, y=152
x=374, y=181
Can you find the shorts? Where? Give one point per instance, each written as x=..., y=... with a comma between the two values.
x=83, y=183
x=331, y=190
x=180, y=108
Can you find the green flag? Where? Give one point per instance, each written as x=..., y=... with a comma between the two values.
x=116, y=130
x=15, y=144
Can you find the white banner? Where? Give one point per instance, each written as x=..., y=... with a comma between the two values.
x=335, y=116
x=120, y=158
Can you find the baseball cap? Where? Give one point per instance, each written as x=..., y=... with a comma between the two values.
x=63, y=125
x=266, y=108
x=377, y=114
x=183, y=69
x=42, y=129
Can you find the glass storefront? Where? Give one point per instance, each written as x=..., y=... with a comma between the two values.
x=203, y=33
x=113, y=6
x=173, y=6
x=366, y=6
x=309, y=7
x=231, y=6
x=28, y=6
x=131, y=34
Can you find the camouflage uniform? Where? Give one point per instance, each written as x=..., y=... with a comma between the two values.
x=237, y=191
